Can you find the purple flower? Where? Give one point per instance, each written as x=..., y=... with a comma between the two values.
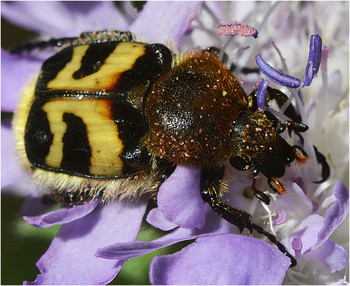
x=94, y=241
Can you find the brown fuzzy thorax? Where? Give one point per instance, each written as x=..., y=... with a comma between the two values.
x=191, y=110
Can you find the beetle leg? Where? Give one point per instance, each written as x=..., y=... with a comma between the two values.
x=276, y=185
x=257, y=193
x=84, y=38
x=211, y=179
x=321, y=159
x=302, y=157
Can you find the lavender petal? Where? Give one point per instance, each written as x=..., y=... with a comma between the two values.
x=332, y=255
x=10, y=171
x=179, y=198
x=224, y=259
x=336, y=214
x=276, y=76
x=71, y=258
x=16, y=72
x=156, y=218
x=169, y=23
x=62, y=215
x=215, y=225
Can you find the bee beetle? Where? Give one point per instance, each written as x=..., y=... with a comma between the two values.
x=111, y=116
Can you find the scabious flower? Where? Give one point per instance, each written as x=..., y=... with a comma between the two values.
x=94, y=242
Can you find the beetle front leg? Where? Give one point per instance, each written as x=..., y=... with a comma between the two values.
x=211, y=180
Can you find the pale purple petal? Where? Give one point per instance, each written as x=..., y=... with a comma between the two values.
x=10, y=168
x=330, y=254
x=294, y=196
x=225, y=259
x=313, y=63
x=16, y=72
x=179, y=198
x=336, y=214
x=102, y=15
x=125, y=250
x=43, y=17
x=276, y=76
x=34, y=206
x=170, y=22
x=156, y=218
x=307, y=231
x=62, y=215
x=261, y=93
x=61, y=19
x=71, y=258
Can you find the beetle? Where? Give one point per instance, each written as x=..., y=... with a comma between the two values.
x=111, y=117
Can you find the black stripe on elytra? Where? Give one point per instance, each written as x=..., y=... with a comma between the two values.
x=131, y=127
x=37, y=137
x=156, y=59
x=94, y=58
x=76, y=147
x=51, y=67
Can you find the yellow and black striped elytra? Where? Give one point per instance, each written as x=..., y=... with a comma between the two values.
x=113, y=117
x=82, y=97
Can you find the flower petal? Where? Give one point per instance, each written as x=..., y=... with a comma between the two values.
x=62, y=215
x=336, y=214
x=164, y=26
x=10, y=171
x=214, y=225
x=42, y=17
x=276, y=76
x=61, y=19
x=16, y=72
x=71, y=258
x=223, y=259
x=307, y=231
x=331, y=255
x=179, y=198
x=156, y=218
x=34, y=206
x=313, y=63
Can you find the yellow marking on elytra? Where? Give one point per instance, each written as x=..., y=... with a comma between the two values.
x=102, y=132
x=121, y=59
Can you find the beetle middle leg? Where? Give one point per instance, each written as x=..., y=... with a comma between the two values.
x=84, y=38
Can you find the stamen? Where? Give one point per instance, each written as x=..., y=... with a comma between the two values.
x=313, y=64
x=324, y=68
x=297, y=245
x=276, y=76
x=236, y=28
x=261, y=92
x=280, y=218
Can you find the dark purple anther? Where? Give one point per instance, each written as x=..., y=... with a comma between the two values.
x=260, y=94
x=276, y=76
x=313, y=63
